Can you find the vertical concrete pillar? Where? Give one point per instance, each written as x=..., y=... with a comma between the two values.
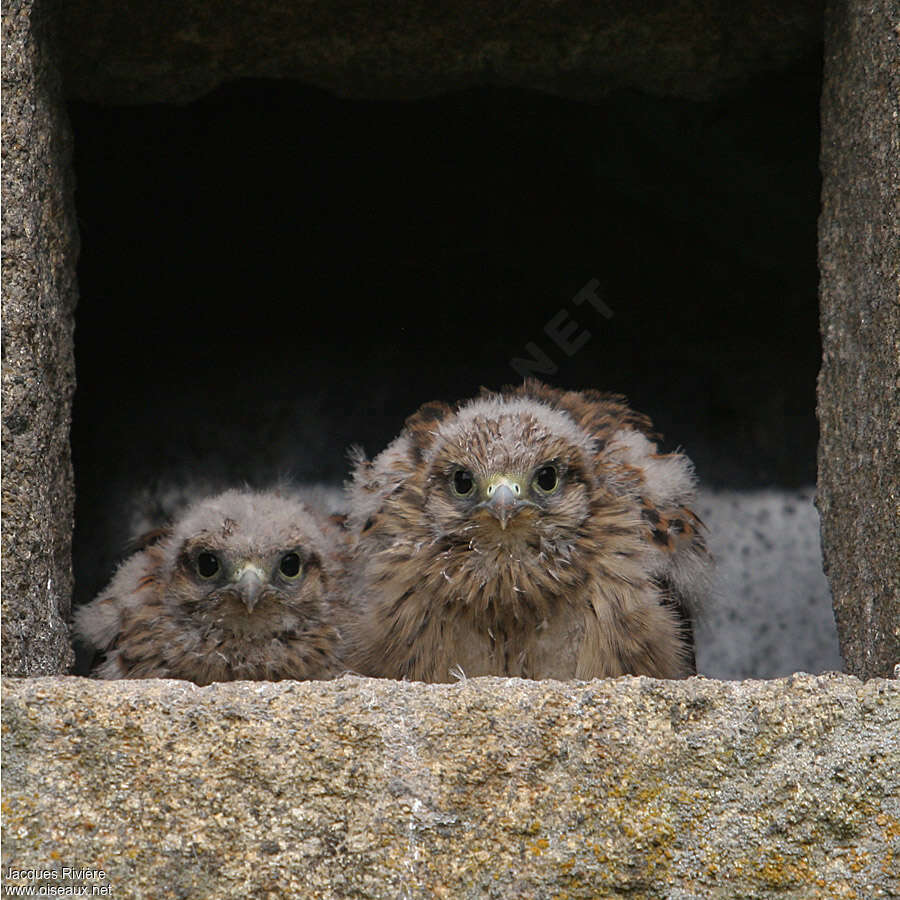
x=39, y=294
x=859, y=384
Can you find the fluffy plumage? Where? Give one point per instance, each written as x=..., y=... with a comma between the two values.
x=533, y=532
x=241, y=586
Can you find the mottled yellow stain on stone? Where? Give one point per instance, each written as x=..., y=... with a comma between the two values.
x=539, y=846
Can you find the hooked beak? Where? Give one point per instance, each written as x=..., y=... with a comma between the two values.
x=249, y=584
x=504, y=500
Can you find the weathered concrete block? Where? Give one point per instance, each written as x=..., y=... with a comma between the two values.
x=39, y=293
x=859, y=384
x=489, y=788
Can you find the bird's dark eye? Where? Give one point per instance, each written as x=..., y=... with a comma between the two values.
x=290, y=565
x=463, y=483
x=207, y=564
x=546, y=479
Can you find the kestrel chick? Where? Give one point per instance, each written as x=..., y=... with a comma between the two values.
x=533, y=532
x=240, y=587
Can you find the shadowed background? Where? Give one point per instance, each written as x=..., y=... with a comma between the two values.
x=271, y=274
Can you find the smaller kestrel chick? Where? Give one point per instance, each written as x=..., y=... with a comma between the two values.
x=240, y=587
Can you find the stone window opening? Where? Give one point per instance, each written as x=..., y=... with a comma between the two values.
x=272, y=273
x=697, y=218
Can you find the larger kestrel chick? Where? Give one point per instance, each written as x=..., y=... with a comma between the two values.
x=533, y=532
x=242, y=586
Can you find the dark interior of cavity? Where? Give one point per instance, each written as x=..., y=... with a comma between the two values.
x=272, y=274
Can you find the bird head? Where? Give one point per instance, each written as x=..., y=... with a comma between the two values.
x=508, y=471
x=245, y=561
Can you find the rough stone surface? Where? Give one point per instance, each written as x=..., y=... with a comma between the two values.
x=142, y=52
x=491, y=788
x=39, y=293
x=859, y=384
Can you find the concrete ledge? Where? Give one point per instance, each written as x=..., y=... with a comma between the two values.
x=489, y=788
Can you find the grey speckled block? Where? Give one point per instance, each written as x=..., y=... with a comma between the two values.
x=39, y=293
x=771, y=613
x=493, y=788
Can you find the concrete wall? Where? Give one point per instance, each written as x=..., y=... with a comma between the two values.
x=491, y=788
x=859, y=385
x=40, y=243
